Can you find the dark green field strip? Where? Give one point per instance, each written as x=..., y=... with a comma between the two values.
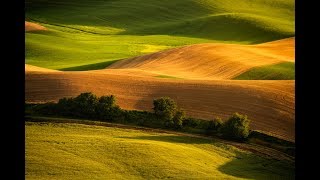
x=281, y=71
x=94, y=66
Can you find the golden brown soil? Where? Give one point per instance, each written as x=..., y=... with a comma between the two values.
x=210, y=61
x=30, y=68
x=29, y=26
x=205, y=92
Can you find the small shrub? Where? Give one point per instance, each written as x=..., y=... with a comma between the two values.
x=49, y=108
x=204, y=124
x=66, y=107
x=215, y=125
x=132, y=116
x=142, y=118
x=107, y=101
x=178, y=119
x=115, y=114
x=191, y=122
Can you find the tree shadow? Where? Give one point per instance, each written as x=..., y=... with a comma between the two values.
x=243, y=165
x=251, y=166
x=173, y=139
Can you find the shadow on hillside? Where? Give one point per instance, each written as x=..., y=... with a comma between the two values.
x=184, y=19
x=94, y=66
x=243, y=165
x=250, y=166
x=173, y=139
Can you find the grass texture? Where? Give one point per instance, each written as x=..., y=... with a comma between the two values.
x=281, y=71
x=75, y=151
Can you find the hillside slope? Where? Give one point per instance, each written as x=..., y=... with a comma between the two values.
x=211, y=61
x=75, y=151
x=186, y=49
x=205, y=18
x=84, y=35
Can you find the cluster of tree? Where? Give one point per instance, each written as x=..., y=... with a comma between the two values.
x=167, y=110
x=166, y=115
x=236, y=127
x=86, y=105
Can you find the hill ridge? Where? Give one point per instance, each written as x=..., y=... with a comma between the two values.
x=210, y=60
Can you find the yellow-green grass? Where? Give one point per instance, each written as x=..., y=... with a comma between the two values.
x=75, y=151
x=281, y=71
x=67, y=51
x=82, y=33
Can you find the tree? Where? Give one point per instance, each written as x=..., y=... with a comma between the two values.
x=237, y=127
x=115, y=114
x=178, y=119
x=107, y=109
x=107, y=101
x=49, y=108
x=104, y=105
x=66, y=107
x=85, y=105
x=165, y=108
x=191, y=122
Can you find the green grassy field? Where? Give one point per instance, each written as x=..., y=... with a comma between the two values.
x=281, y=71
x=74, y=151
x=86, y=35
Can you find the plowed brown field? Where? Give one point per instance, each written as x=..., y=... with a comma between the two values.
x=211, y=61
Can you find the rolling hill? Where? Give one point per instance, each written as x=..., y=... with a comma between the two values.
x=60, y=150
x=269, y=104
x=211, y=61
x=213, y=57
x=86, y=35
x=190, y=50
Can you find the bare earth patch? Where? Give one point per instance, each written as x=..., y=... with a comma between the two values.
x=29, y=26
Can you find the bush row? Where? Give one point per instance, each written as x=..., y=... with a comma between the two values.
x=166, y=115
